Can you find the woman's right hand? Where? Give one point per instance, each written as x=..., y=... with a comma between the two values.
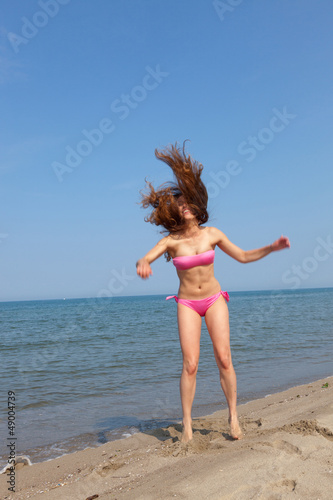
x=143, y=269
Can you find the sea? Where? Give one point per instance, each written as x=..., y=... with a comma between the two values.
x=87, y=371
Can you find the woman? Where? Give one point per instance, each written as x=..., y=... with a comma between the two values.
x=181, y=208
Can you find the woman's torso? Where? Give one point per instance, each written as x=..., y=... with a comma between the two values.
x=196, y=282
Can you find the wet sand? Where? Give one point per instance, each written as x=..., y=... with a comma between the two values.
x=286, y=453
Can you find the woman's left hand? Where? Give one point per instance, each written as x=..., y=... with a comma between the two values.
x=280, y=244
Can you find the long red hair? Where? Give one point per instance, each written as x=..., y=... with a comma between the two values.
x=165, y=211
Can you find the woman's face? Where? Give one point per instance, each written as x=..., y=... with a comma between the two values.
x=184, y=209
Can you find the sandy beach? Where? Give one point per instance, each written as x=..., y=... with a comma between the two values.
x=287, y=452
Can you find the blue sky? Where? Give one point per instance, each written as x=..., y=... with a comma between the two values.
x=90, y=89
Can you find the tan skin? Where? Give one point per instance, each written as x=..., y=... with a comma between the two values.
x=198, y=283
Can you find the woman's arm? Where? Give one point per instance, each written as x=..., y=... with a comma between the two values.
x=143, y=268
x=259, y=253
x=246, y=256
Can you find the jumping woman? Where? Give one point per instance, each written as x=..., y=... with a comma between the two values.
x=181, y=209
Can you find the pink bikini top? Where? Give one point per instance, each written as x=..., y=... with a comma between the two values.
x=188, y=261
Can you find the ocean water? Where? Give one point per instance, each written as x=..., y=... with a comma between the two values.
x=86, y=371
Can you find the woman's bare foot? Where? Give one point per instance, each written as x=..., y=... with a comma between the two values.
x=235, y=430
x=187, y=433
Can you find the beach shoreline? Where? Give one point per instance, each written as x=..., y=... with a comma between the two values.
x=286, y=453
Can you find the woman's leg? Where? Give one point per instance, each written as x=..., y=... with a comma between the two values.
x=189, y=326
x=217, y=321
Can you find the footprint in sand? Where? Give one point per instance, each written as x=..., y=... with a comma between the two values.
x=308, y=428
x=286, y=447
x=250, y=424
x=286, y=485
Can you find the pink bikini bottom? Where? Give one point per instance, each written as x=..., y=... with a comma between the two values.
x=200, y=306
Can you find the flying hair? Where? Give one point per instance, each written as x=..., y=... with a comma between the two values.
x=163, y=200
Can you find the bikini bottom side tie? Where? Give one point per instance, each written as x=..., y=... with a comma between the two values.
x=202, y=305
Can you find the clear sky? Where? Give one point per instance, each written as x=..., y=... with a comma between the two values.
x=90, y=89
